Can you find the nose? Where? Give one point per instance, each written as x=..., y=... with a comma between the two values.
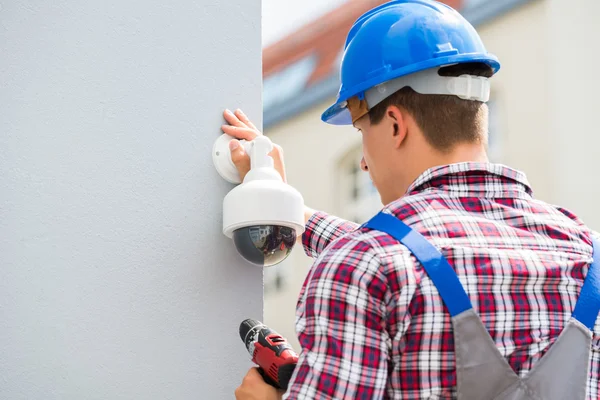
x=363, y=164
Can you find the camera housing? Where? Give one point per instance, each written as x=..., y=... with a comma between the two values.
x=263, y=215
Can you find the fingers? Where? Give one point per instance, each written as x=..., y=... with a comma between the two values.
x=241, y=128
x=243, y=118
x=232, y=119
x=239, y=119
x=240, y=158
x=254, y=387
x=239, y=132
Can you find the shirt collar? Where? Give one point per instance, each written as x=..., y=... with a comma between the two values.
x=473, y=179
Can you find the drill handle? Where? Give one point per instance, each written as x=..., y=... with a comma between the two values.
x=267, y=378
x=285, y=375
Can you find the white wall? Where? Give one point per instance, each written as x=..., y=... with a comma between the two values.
x=116, y=282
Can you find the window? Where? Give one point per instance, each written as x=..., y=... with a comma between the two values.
x=287, y=83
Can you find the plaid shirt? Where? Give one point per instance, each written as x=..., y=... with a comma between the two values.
x=371, y=323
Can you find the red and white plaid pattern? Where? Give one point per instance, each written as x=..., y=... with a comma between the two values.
x=371, y=323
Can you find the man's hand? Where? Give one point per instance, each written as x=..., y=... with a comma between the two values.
x=240, y=127
x=254, y=387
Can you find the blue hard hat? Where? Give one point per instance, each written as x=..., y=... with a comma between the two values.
x=399, y=38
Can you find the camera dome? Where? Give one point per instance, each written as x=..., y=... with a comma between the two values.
x=263, y=215
x=264, y=245
x=263, y=218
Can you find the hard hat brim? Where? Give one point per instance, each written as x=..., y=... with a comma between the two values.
x=337, y=114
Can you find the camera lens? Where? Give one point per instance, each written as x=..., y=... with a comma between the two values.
x=264, y=245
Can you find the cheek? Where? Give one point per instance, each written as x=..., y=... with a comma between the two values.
x=365, y=145
x=368, y=145
x=378, y=156
x=371, y=150
x=370, y=159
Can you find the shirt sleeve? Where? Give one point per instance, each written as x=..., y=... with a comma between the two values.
x=321, y=230
x=341, y=327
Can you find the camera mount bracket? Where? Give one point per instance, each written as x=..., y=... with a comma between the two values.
x=258, y=150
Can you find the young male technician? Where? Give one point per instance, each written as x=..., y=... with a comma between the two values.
x=382, y=314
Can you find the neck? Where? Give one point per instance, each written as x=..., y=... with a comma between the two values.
x=461, y=153
x=430, y=158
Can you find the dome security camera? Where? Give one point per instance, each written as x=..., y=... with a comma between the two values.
x=263, y=215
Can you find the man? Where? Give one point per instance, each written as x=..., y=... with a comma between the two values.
x=465, y=286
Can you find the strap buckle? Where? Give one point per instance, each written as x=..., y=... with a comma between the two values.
x=469, y=87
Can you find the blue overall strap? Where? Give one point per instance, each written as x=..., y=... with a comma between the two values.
x=587, y=307
x=435, y=264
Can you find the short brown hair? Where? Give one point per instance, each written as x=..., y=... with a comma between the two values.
x=445, y=120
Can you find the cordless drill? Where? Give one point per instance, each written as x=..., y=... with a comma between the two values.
x=270, y=351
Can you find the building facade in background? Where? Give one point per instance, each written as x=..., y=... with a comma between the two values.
x=527, y=107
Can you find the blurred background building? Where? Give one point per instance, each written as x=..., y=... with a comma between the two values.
x=542, y=115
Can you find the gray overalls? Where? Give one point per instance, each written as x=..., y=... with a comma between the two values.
x=482, y=372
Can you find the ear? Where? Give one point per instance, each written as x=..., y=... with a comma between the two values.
x=397, y=119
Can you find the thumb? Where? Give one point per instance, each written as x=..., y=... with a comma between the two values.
x=254, y=374
x=240, y=158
